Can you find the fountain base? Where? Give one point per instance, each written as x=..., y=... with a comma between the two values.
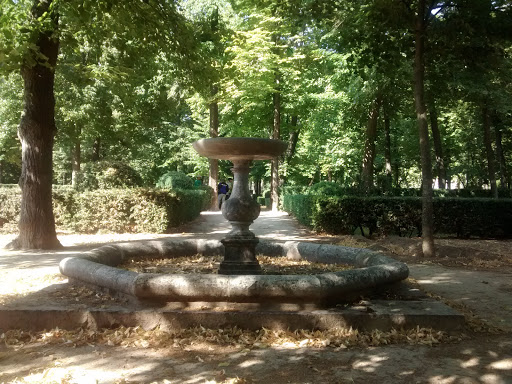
x=240, y=257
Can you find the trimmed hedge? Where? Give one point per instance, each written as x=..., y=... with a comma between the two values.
x=326, y=188
x=402, y=215
x=114, y=210
x=10, y=205
x=175, y=180
x=108, y=174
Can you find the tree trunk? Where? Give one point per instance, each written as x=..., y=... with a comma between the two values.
x=396, y=173
x=369, y=145
x=447, y=162
x=438, y=148
x=76, y=161
x=488, y=151
x=1, y=170
x=213, y=178
x=427, y=211
x=387, y=152
x=276, y=131
x=293, y=138
x=96, y=147
x=36, y=132
x=257, y=187
x=501, y=157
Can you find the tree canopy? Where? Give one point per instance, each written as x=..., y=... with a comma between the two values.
x=133, y=84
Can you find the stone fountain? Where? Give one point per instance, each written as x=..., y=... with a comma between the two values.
x=239, y=279
x=239, y=294
x=240, y=209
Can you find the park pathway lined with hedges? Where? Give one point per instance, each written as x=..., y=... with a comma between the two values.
x=487, y=294
x=482, y=359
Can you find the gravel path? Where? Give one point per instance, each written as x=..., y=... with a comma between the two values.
x=482, y=358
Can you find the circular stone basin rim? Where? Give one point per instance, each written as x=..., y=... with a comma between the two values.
x=98, y=267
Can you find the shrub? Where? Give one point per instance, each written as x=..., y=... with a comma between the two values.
x=402, y=215
x=293, y=189
x=208, y=197
x=303, y=207
x=118, y=175
x=139, y=210
x=326, y=188
x=474, y=217
x=105, y=175
x=114, y=210
x=10, y=204
x=175, y=180
x=64, y=202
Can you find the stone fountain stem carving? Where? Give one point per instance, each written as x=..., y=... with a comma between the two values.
x=240, y=210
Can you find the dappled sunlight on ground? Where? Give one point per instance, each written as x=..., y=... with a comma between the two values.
x=487, y=294
x=484, y=360
x=15, y=286
x=212, y=357
x=448, y=278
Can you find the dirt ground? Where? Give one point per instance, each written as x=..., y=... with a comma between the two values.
x=475, y=254
x=474, y=276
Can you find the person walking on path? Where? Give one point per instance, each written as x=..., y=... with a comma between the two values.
x=222, y=191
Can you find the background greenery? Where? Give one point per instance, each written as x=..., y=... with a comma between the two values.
x=130, y=102
x=113, y=210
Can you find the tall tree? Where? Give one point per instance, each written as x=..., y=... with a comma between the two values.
x=387, y=150
x=369, y=145
x=486, y=125
x=276, y=135
x=214, y=20
x=504, y=183
x=30, y=34
x=213, y=178
x=36, y=132
x=438, y=146
x=427, y=212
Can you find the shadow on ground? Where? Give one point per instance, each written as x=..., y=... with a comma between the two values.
x=484, y=359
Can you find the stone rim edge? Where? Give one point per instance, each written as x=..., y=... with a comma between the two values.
x=97, y=267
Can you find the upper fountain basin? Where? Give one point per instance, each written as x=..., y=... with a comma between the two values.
x=240, y=148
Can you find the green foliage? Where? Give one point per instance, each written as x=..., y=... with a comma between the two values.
x=114, y=210
x=144, y=93
x=106, y=174
x=402, y=215
x=175, y=180
x=138, y=210
x=208, y=197
x=10, y=205
x=326, y=188
x=303, y=207
x=10, y=107
x=370, y=215
x=118, y=175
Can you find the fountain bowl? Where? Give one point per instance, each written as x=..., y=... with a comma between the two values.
x=240, y=148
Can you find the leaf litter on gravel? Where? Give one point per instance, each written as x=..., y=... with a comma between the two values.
x=210, y=264
x=199, y=337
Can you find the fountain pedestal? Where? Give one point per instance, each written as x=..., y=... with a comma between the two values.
x=240, y=209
